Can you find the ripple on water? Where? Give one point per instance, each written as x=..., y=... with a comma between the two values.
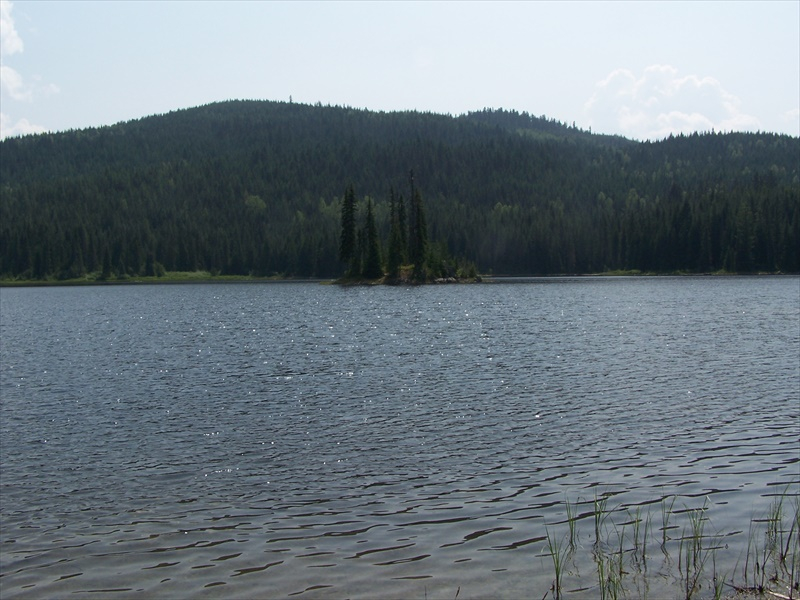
x=219, y=441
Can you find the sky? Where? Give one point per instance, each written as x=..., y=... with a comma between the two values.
x=643, y=70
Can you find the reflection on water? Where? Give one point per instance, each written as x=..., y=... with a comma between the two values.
x=306, y=440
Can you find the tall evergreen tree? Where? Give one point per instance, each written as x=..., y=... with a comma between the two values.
x=347, y=242
x=395, y=252
x=106, y=272
x=417, y=233
x=372, y=268
x=402, y=226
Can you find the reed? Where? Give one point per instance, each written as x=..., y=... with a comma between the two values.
x=602, y=574
x=748, y=554
x=571, y=521
x=619, y=564
x=774, y=533
x=609, y=577
x=636, y=521
x=647, y=528
x=599, y=517
x=558, y=555
x=666, y=513
x=719, y=582
x=619, y=551
x=639, y=537
x=616, y=588
x=780, y=540
x=776, y=563
x=794, y=557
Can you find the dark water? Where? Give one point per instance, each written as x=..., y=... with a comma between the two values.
x=285, y=440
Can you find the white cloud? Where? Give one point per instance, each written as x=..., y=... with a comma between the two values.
x=792, y=119
x=50, y=89
x=13, y=86
x=10, y=42
x=21, y=127
x=661, y=102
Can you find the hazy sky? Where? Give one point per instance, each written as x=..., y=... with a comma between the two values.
x=639, y=69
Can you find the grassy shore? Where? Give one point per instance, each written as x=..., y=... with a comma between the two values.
x=170, y=277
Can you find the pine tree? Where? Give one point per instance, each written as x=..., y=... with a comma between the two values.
x=396, y=245
x=417, y=233
x=402, y=226
x=347, y=243
x=372, y=263
x=106, y=272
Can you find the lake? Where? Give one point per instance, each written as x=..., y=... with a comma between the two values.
x=305, y=440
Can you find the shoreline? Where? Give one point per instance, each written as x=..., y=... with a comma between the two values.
x=179, y=277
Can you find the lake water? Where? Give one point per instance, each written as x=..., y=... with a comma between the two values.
x=306, y=440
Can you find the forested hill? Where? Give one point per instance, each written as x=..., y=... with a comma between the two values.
x=255, y=187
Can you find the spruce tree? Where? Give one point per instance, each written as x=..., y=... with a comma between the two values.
x=417, y=233
x=395, y=252
x=106, y=272
x=372, y=262
x=347, y=242
x=402, y=226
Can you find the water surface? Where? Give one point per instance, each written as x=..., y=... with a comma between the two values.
x=283, y=440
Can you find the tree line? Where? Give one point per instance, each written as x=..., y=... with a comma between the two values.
x=255, y=188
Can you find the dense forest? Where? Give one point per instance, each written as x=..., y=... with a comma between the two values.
x=257, y=188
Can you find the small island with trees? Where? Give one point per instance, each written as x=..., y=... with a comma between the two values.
x=408, y=257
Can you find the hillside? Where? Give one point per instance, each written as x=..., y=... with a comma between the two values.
x=255, y=187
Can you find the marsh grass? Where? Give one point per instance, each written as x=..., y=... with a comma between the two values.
x=622, y=536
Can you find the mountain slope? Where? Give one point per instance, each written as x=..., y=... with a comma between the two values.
x=254, y=187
